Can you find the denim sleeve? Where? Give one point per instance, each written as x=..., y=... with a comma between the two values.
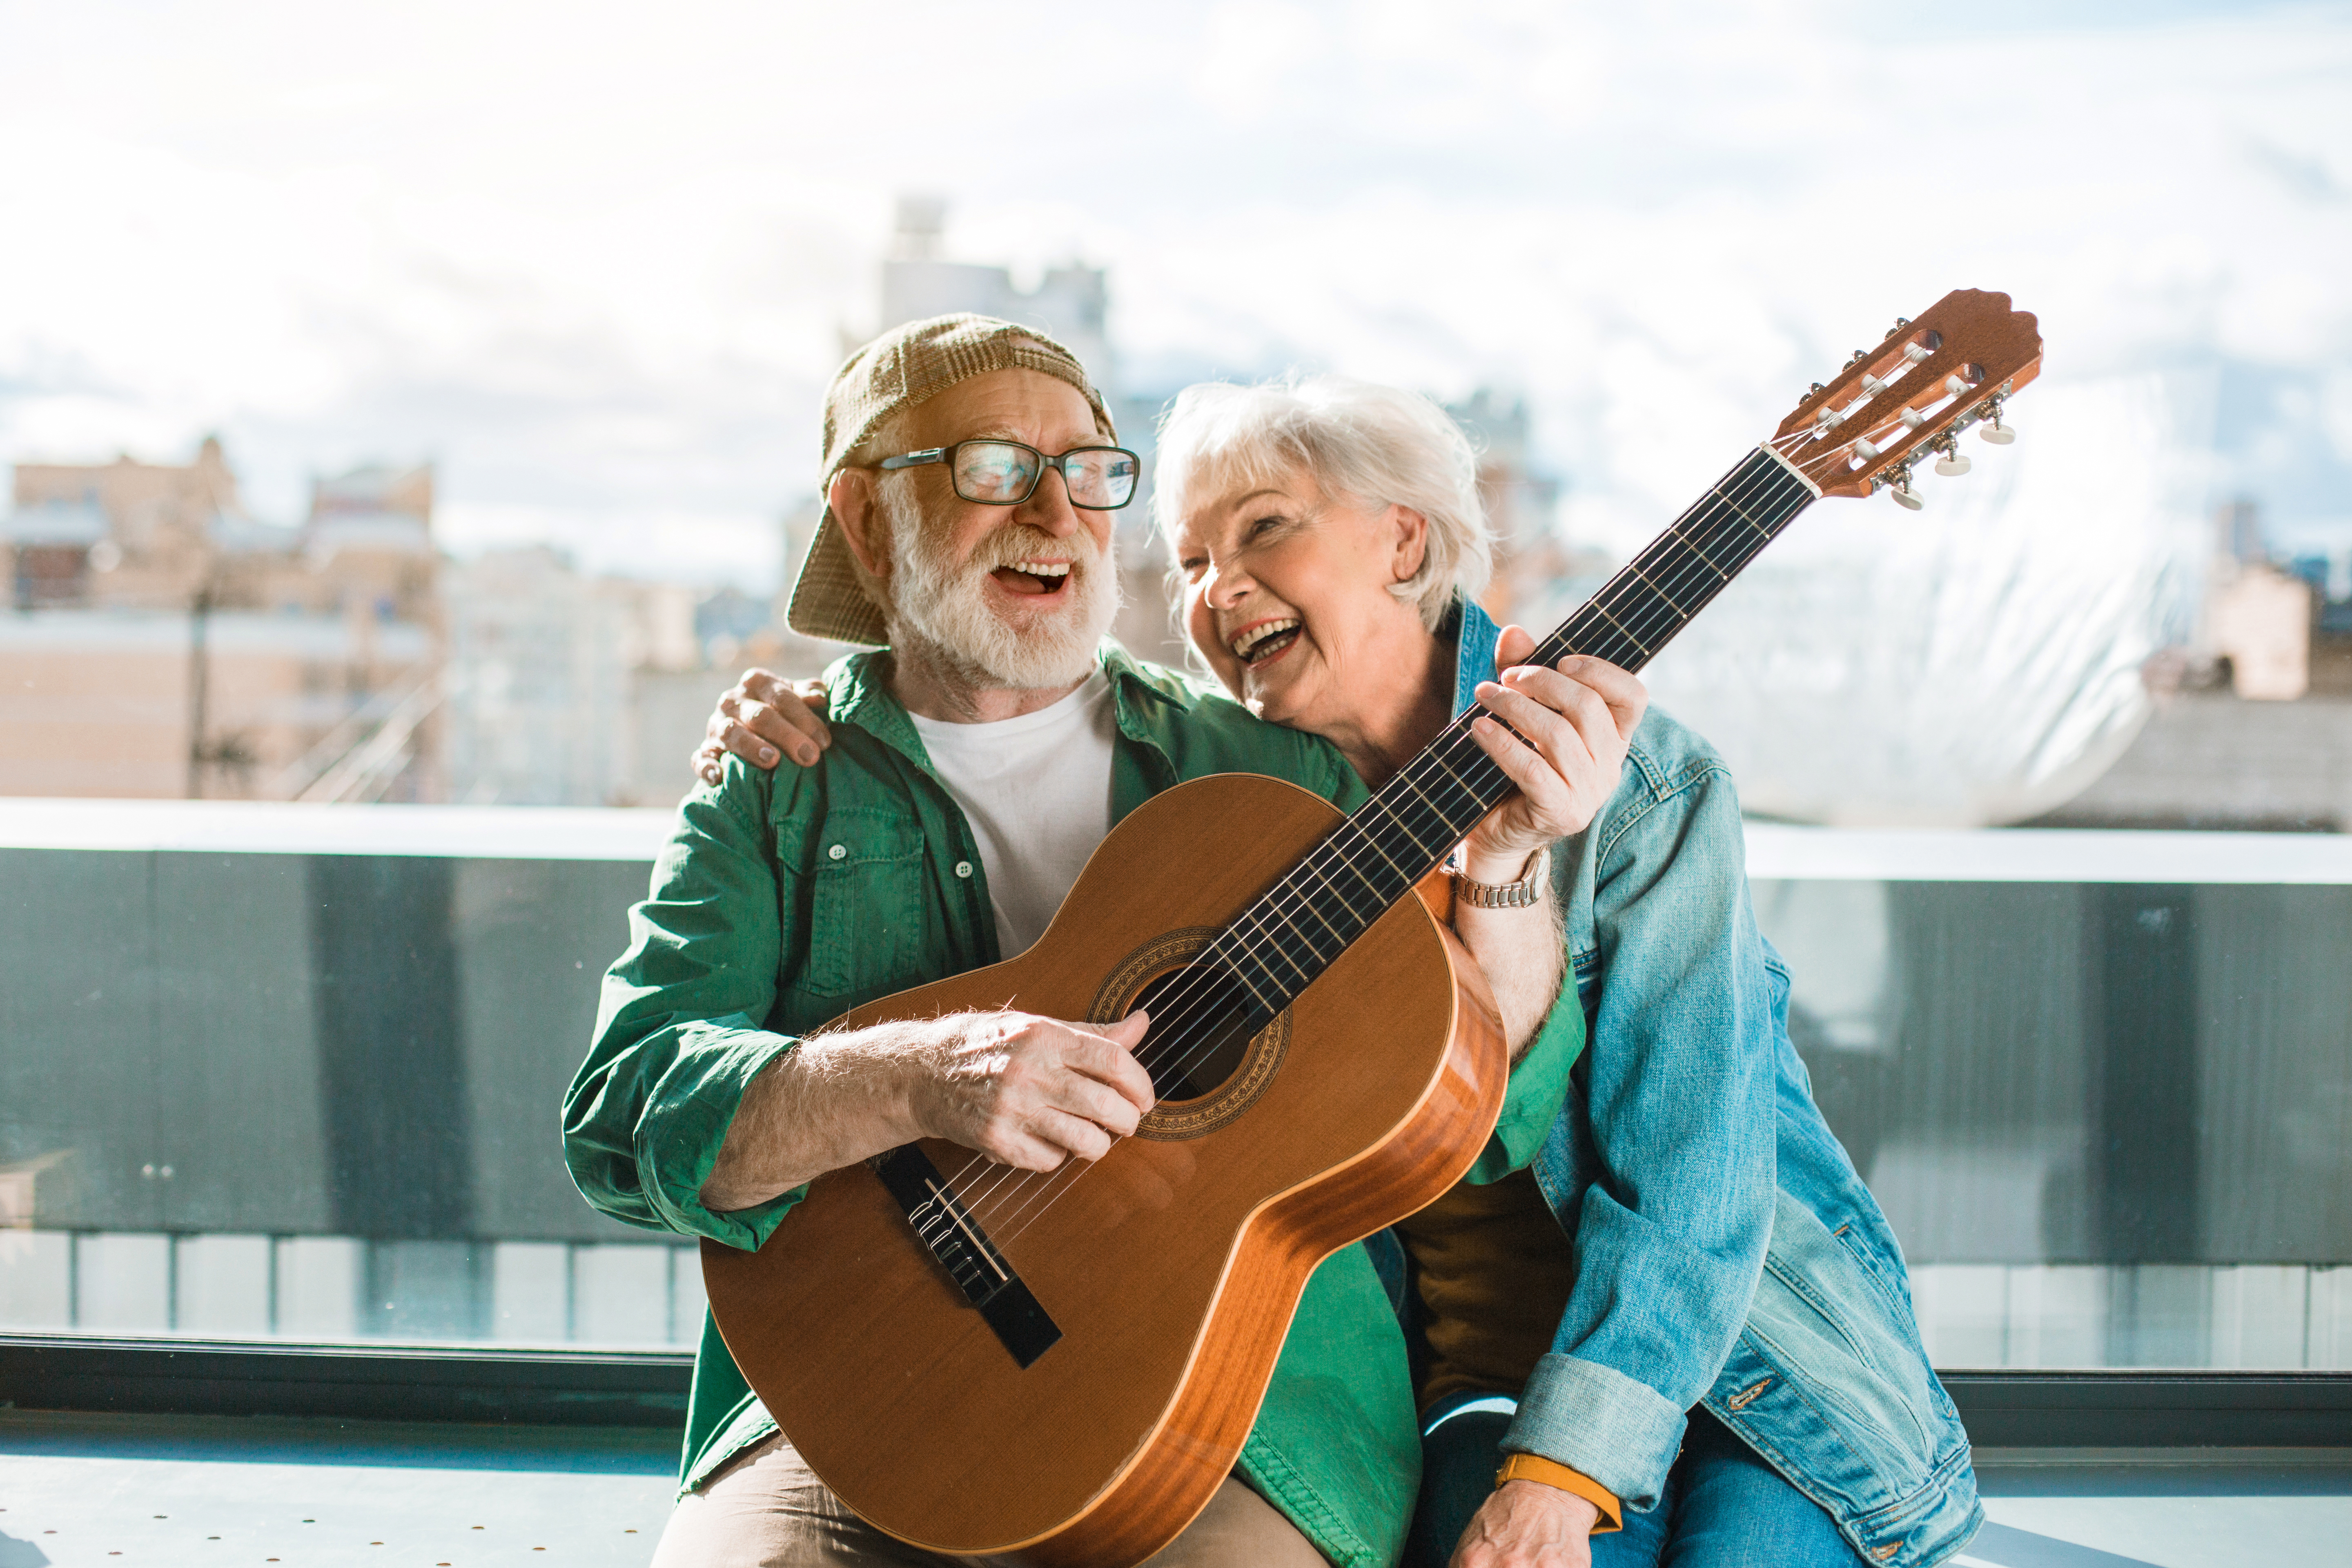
x=679, y=1036
x=1677, y=1137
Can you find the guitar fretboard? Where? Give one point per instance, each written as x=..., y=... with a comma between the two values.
x=1300, y=925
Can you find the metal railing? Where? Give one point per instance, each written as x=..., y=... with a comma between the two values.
x=2102, y=1082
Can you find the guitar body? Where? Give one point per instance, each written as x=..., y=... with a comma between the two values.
x=1170, y=1269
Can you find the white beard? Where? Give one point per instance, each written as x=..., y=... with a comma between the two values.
x=942, y=604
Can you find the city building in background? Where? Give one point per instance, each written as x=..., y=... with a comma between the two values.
x=165, y=643
x=544, y=667
x=1070, y=304
x=2252, y=727
x=2258, y=620
x=1532, y=564
x=162, y=642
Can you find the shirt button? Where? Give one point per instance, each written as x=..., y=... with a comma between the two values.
x=837, y=851
x=963, y=868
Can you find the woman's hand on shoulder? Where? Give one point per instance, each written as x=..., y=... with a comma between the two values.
x=762, y=719
x=1527, y=1524
x=1577, y=720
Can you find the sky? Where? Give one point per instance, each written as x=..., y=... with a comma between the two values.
x=595, y=262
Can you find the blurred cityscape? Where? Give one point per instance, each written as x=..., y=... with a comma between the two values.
x=163, y=641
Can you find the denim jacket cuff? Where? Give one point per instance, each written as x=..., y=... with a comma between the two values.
x=1596, y=1420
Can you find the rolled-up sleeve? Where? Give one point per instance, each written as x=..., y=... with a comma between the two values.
x=1677, y=1141
x=679, y=1028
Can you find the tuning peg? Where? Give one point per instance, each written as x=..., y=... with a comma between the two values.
x=1992, y=429
x=1898, y=485
x=1952, y=465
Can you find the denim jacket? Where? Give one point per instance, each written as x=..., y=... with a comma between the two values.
x=1727, y=1253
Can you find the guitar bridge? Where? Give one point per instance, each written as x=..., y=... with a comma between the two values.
x=957, y=1242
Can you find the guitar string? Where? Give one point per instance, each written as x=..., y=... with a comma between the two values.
x=1180, y=1039
x=1460, y=744
x=1411, y=826
x=1409, y=808
x=1662, y=610
x=1691, y=567
x=1693, y=532
x=1694, y=553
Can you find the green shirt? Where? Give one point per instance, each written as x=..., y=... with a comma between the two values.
x=783, y=900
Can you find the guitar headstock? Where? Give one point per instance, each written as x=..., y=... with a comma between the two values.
x=1925, y=383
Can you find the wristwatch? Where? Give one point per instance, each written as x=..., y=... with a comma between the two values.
x=1525, y=893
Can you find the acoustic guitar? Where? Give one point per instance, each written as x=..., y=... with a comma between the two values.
x=1062, y=1367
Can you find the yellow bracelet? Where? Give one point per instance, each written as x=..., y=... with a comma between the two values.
x=1535, y=1467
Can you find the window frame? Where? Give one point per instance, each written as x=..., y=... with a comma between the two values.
x=74, y=1372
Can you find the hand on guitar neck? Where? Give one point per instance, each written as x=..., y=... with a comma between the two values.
x=1580, y=718
x=1026, y=1091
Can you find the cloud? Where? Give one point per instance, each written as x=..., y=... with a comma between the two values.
x=597, y=260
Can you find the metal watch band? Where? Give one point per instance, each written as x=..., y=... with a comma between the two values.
x=1525, y=893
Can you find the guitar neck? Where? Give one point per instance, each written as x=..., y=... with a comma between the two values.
x=1301, y=924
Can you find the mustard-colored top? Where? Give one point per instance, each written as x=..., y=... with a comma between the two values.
x=1494, y=1273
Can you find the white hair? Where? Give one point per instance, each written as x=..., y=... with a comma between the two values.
x=936, y=602
x=1376, y=446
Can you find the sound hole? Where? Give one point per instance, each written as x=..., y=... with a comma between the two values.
x=1201, y=1023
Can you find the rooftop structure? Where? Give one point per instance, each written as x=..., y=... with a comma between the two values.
x=168, y=643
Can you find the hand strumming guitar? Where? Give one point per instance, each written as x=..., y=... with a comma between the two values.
x=1025, y=1091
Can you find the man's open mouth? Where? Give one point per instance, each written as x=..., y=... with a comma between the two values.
x=1267, y=639
x=1033, y=578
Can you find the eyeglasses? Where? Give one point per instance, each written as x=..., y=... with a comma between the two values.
x=1006, y=473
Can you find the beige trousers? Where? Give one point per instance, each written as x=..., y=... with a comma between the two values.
x=767, y=1510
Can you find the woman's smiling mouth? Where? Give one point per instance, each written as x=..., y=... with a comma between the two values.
x=1266, y=640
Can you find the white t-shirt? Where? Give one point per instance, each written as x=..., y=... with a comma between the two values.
x=1036, y=791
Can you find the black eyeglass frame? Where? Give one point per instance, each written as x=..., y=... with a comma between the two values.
x=1045, y=465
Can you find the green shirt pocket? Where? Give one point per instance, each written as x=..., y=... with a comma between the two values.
x=867, y=905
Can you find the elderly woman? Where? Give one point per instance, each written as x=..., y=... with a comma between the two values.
x=1673, y=1308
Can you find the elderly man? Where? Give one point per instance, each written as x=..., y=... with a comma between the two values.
x=975, y=762
x=970, y=475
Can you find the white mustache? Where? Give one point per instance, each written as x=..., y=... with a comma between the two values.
x=1018, y=544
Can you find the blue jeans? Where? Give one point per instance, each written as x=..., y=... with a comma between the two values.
x=1721, y=1507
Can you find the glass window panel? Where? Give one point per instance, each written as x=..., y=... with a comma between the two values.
x=245, y=1095
x=531, y=1291
x=2109, y=1121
